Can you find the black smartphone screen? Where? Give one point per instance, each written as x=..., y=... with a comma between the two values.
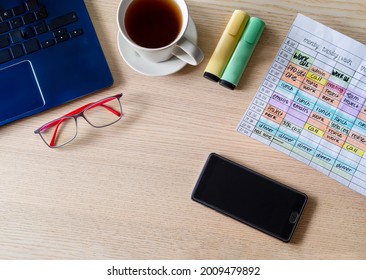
x=249, y=197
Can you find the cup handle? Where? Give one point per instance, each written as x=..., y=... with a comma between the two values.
x=188, y=52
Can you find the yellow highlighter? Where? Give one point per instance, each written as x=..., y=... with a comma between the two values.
x=226, y=46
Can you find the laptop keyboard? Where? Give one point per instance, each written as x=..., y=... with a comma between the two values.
x=21, y=26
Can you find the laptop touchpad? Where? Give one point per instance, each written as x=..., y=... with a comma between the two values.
x=20, y=92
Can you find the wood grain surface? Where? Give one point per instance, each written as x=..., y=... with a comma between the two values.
x=123, y=192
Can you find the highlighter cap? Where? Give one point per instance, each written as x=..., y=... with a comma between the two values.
x=253, y=31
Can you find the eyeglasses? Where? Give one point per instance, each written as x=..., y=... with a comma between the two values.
x=98, y=114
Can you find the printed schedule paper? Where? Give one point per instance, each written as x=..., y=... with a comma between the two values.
x=312, y=103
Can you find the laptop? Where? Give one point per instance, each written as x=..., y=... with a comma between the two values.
x=49, y=55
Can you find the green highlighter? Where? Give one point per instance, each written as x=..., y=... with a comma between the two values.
x=243, y=51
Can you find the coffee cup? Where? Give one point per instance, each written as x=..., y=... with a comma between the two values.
x=156, y=30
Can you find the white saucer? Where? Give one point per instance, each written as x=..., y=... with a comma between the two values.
x=148, y=68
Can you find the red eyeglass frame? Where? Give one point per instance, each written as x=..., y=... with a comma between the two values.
x=79, y=112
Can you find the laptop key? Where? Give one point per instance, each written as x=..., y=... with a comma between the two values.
x=4, y=56
x=16, y=23
x=17, y=51
x=4, y=41
x=60, y=32
x=41, y=13
x=31, y=46
x=63, y=20
x=28, y=32
x=31, y=4
x=41, y=28
x=6, y=14
x=62, y=38
x=18, y=10
x=29, y=18
x=4, y=27
x=47, y=43
x=16, y=36
x=76, y=32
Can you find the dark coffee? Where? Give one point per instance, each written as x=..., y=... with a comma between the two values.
x=153, y=23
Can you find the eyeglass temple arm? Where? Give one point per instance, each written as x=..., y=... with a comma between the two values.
x=101, y=103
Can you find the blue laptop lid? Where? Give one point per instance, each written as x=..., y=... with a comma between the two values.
x=49, y=55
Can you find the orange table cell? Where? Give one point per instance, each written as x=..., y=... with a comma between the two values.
x=313, y=84
x=274, y=114
x=330, y=100
x=311, y=90
x=336, y=133
x=357, y=140
x=334, y=140
x=331, y=93
x=320, y=118
x=317, y=124
x=362, y=117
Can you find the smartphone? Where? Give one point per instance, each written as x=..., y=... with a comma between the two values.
x=249, y=197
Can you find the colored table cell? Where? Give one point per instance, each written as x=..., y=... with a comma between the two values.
x=324, y=157
x=295, y=120
x=344, y=118
x=319, y=71
x=355, y=97
x=349, y=107
x=310, y=90
x=276, y=102
x=316, y=78
x=339, y=127
x=317, y=124
x=294, y=74
x=292, y=127
x=323, y=109
x=330, y=100
x=282, y=143
x=335, y=133
x=267, y=128
x=313, y=83
x=360, y=126
x=287, y=137
x=344, y=167
x=301, y=108
x=340, y=77
x=305, y=100
x=314, y=130
x=274, y=114
x=302, y=153
x=281, y=99
x=335, y=87
x=333, y=94
x=302, y=59
x=334, y=140
x=287, y=87
x=323, y=120
x=306, y=146
x=342, y=173
x=322, y=163
x=356, y=139
x=263, y=134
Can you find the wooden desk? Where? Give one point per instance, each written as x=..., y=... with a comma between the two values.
x=123, y=192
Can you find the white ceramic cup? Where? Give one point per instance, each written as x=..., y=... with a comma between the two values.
x=181, y=47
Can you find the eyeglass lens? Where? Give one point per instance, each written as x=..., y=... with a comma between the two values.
x=104, y=112
x=59, y=132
